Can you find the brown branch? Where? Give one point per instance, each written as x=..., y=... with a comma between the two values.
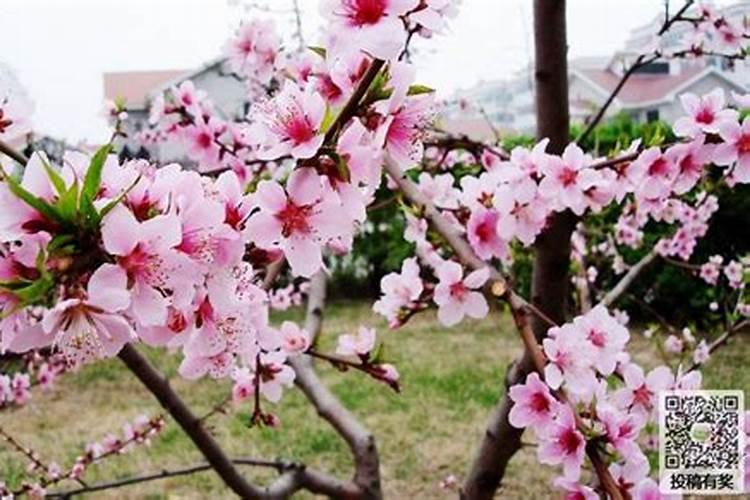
x=158, y=385
x=288, y=483
x=273, y=270
x=628, y=279
x=30, y=455
x=350, y=108
x=7, y=150
x=640, y=62
x=722, y=340
x=164, y=474
x=360, y=441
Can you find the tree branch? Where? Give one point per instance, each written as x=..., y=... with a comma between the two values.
x=164, y=474
x=190, y=424
x=360, y=441
x=628, y=279
x=722, y=340
x=7, y=150
x=641, y=61
x=297, y=477
x=350, y=108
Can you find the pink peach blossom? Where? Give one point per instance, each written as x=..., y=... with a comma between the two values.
x=562, y=443
x=705, y=114
x=533, y=404
x=456, y=296
x=299, y=220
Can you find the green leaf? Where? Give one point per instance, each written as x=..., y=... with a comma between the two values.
x=54, y=176
x=38, y=204
x=120, y=103
x=93, y=182
x=14, y=284
x=377, y=355
x=59, y=242
x=112, y=204
x=35, y=291
x=343, y=169
x=419, y=89
x=378, y=90
x=328, y=119
x=318, y=50
x=67, y=203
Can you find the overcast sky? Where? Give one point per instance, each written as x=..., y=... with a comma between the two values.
x=60, y=48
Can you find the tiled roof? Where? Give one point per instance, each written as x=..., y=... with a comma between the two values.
x=134, y=86
x=640, y=87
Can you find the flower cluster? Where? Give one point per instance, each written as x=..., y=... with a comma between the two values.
x=709, y=32
x=734, y=271
x=583, y=358
x=37, y=369
x=97, y=254
x=292, y=295
x=512, y=200
x=139, y=432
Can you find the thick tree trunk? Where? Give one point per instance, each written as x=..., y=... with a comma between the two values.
x=549, y=289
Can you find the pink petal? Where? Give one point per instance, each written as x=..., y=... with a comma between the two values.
x=28, y=338
x=304, y=256
x=162, y=232
x=120, y=231
x=475, y=305
x=309, y=148
x=35, y=178
x=263, y=230
x=114, y=332
x=450, y=313
x=193, y=367
x=304, y=187
x=107, y=288
x=477, y=278
x=270, y=196
x=149, y=306
x=725, y=154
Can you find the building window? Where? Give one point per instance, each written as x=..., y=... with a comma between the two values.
x=652, y=115
x=655, y=68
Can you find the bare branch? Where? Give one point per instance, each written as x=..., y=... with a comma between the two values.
x=164, y=474
x=7, y=150
x=641, y=61
x=160, y=388
x=628, y=279
x=722, y=340
x=361, y=442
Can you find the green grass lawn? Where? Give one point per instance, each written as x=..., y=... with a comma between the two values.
x=451, y=378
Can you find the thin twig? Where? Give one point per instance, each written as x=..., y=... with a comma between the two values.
x=641, y=61
x=722, y=340
x=628, y=279
x=280, y=466
x=7, y=150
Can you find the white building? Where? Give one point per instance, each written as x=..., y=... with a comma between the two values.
x=139, y=88
x=650, y=93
